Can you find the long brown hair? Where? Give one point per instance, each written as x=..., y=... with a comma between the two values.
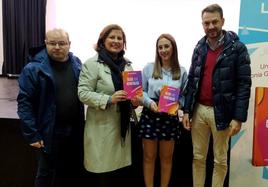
x=104, y=34
x=175, y=66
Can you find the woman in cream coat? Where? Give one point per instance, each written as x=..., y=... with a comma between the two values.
x=107, y=146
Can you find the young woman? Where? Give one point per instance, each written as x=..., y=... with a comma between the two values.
x=160, y=130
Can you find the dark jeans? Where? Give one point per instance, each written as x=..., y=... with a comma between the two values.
x=63, y=167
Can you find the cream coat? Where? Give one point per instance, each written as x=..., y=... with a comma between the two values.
x=103, y=150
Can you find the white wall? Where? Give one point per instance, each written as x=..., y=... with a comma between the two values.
x=142, y=20
x=51, y=14
x=1, y=39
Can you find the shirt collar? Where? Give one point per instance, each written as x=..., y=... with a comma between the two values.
x=166, y=70
x=219, y=43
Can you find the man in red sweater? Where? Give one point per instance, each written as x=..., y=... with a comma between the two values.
x=217, y=94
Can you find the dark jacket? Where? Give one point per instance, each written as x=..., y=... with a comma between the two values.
x=231, y=82
x=36, y=98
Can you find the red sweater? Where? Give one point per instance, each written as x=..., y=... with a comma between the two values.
x=205, y=96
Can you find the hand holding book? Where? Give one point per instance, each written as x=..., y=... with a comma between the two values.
x=153, y=107
x=132, y=82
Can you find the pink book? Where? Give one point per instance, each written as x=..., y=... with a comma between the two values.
x=132, y=83
x=168, y=100
x=260, y=135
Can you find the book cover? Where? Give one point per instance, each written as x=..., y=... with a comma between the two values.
x=132, y=82
x=260, y=131
x=168, y=100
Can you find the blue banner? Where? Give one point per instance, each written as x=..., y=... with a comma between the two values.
x=253, y=31
x=253, y=24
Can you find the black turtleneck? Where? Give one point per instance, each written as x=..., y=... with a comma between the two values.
x=67, y=106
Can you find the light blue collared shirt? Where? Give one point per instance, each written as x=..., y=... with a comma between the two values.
x=152, y=87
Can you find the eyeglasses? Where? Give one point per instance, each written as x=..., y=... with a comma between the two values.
x=59, y=43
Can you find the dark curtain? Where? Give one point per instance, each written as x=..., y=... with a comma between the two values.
x=23, y=27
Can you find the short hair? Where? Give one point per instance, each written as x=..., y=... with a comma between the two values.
x=104, y=34
x=57, y=31
x=175, y=66
x=213, y=8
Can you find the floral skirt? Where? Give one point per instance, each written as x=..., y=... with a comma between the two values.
x=158, y=126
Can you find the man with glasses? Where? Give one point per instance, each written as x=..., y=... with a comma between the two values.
x=51, y=114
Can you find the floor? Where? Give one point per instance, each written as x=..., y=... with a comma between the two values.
x=16, y=158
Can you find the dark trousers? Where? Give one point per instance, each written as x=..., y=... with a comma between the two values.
x=119, y=178
x=63, y=167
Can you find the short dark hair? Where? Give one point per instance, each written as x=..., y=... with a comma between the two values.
x=213, y=8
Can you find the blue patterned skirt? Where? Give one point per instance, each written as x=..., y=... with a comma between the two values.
x=158, y=126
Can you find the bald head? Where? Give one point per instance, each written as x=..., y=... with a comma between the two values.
x=58, y=44
x=57, y=32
